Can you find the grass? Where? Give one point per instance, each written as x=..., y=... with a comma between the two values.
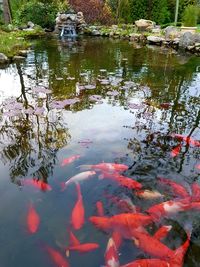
x=14, y=41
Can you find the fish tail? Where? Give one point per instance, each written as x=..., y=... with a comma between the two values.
x=85, y=167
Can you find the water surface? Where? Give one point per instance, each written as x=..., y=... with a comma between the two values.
x=126, y=123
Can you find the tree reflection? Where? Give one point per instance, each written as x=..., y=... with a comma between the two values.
x=30, y=142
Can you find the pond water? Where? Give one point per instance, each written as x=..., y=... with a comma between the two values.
x=108, y=101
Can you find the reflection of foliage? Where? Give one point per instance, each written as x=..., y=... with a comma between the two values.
x=32, y=141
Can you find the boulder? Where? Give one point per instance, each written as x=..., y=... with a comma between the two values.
x=23, y=53
x=18, y=58
x=3, y=59
x=135, y=37
x=30, y=24
x=155, y=40
x=144, y=25
x=187, y=39
x=171, y=32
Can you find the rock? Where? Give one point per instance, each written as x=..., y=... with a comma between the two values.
x=197, y=44
x=23, y=53
x=95, y=33
x=187, y=39
x=171, y=32
x=155, y=40
x=3, y=59
x=197, y=37
x=156, y=31
x=144, y=25
x=30, y=24
x=18, y=58
x=190, y=47
x=135, y=37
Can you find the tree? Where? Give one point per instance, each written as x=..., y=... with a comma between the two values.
x=123, y=11
x=7, y=11
x=138, y=9
x=159, y=12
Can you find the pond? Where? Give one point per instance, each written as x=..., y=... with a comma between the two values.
x=101, y=101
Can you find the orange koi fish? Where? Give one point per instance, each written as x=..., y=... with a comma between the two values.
x=111, y=255
x=57, y=258
x=168, y=208
x=78, y=212
x=100, y=209
x=162, y=232
x=157, y=249
x=86, y=247
x=73, y=241
x=122, y=223
x=121, y=180
x=148, y=263
x=198, y=167
x=187, y=139
x=175, y=151
x=148, y=194
x=33, y=220
x=195, y=192
x=178, y=189
x=117, y=238
x=80, y=177
x=38, y=184
x=69, y=160
x=106, y=167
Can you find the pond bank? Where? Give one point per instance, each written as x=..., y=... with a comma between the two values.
x=14, y=44
x=171, y=36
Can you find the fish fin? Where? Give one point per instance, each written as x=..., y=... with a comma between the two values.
x=67, y=253
x=84, y=167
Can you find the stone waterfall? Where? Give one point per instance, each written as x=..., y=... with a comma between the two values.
x=69, y=24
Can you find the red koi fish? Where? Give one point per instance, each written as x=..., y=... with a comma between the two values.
x=33, y=220
x=162, y=232
x=175, y=151
x=178, y=259
x=198, y=167
x=178, y=189
x=111, y=255
x=106, y=167
x=121, y=180
x=73, y=241
x=156, y=249
x=80, y=177
x=125, y=204
x=195, y=192
x=187, y=139
x=78, y=211
x=168, y=208
x=148, y=194
x=100, y=209
x=117, y=238
x=57, y=258
x=69, y=160
x=148, y=263
x=83, y=248
x=37, y=184
x=122, y=223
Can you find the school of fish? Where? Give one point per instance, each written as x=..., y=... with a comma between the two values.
x=131, y=223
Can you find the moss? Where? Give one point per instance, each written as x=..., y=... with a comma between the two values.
x=12, y=42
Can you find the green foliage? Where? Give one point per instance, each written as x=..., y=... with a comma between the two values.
x=159, y=12
x=138, y=9
x=123, y=11
x=190, y=16
x=42, y=13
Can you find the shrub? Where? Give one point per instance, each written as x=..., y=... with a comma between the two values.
x=94, y=11
x=190, y=16
x=42, y=14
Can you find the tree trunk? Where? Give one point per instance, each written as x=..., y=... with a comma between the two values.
x=7, y=12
